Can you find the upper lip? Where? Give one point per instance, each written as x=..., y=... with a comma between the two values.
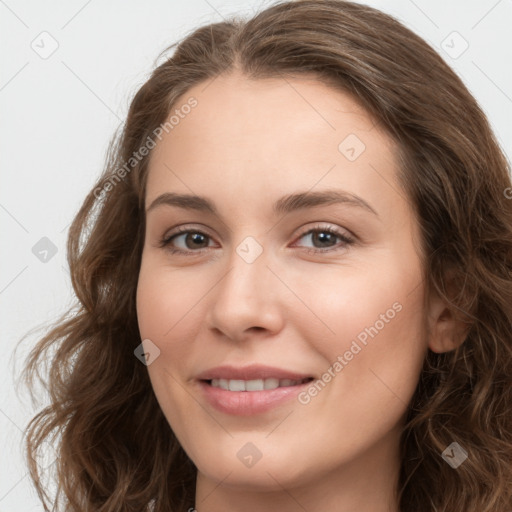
x=250, y=372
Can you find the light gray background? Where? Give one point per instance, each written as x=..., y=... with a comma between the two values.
x=58, y=115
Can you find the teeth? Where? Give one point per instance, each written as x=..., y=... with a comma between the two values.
x=236, y=385
x=254, y=385
x=271, y=383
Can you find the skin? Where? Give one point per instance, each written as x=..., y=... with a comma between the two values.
x=246, y=144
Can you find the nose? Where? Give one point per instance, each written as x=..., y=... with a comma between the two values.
x=246, y=300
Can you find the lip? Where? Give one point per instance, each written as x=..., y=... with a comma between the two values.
x=250, y=372
x=247, y=403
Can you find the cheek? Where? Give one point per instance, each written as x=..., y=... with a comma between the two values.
x=169, y=320
x=362, y=304
x=167, y=316
x=374, y=360
x=374, y=343
x=165, y=300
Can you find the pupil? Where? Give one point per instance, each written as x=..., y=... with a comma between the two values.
x=323, y=236
x=196, y=237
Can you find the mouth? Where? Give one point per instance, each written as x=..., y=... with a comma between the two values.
x=237, y=397
x=250, y=389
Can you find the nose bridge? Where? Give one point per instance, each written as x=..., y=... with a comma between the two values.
x=243, y=297
x=248, y=276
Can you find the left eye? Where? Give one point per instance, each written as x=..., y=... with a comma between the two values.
x=197, y=241
x=326, y=236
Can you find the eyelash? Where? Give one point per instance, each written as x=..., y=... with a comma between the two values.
x=347, y=240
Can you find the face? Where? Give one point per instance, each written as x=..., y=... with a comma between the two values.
x=323, y=289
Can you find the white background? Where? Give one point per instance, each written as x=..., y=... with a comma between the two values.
x=58, y=115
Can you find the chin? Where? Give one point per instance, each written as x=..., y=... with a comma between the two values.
x=263, y=477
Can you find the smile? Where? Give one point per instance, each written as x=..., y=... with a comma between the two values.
x=250, y=397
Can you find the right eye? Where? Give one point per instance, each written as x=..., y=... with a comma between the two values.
x=191, y=241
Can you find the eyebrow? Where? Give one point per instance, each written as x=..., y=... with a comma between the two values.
x=282, y=206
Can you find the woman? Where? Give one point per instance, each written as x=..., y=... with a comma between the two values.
x=294, y=283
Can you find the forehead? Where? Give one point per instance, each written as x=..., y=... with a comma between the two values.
x=251, y=140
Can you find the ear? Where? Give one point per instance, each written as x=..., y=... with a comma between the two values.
x=446, y=329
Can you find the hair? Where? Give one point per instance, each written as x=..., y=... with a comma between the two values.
x=116, y=451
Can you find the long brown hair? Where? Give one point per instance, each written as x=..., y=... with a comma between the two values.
x=115, y=449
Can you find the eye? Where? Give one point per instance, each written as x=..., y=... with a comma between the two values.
x=190, y=240
x=325, y=238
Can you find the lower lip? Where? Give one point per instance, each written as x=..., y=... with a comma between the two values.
x=247, y=403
